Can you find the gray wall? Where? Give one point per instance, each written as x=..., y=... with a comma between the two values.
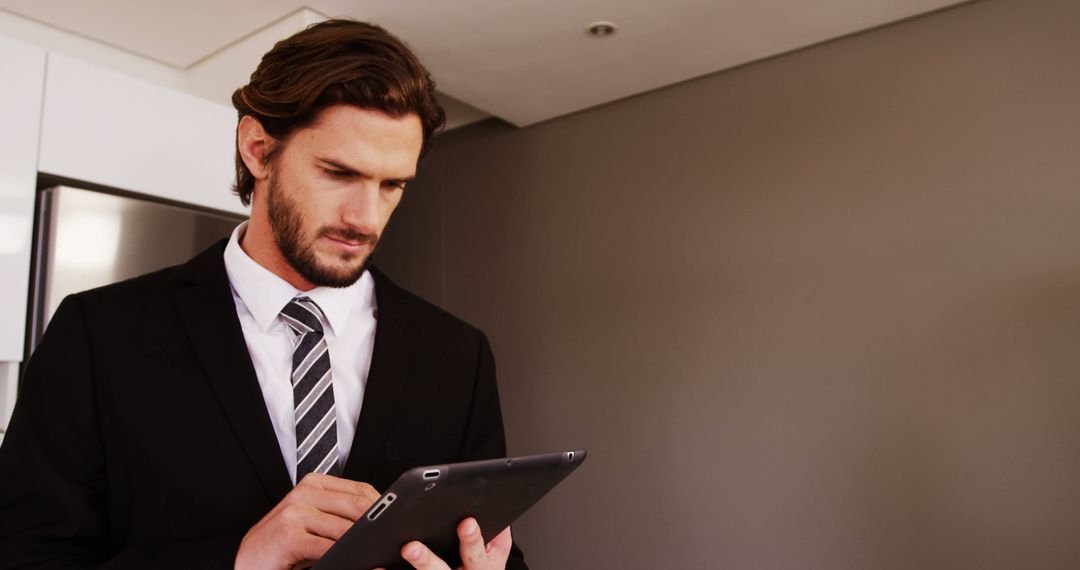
x=822, y=311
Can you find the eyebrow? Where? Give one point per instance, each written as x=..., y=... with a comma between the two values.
x=339, y=166
x=353, y=172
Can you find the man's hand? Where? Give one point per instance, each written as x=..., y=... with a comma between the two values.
x=474, y=554
x=305, y=524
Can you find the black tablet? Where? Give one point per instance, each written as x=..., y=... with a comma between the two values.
x=427, y=503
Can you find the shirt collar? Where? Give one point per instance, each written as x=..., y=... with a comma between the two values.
x=265, y=294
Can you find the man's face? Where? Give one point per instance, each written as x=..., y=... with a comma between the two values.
x=333, y=186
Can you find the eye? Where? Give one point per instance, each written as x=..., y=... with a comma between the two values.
x=395, y=184
x=333, y=173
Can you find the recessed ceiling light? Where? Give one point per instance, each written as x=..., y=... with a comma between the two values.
x=602, y=29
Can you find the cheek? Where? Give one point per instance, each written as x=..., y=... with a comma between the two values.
x=322, y=205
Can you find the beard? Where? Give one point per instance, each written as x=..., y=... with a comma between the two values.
x=287, y=224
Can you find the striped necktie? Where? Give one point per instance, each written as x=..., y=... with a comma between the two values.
x=313, y=391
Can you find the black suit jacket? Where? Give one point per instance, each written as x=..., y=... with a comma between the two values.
x=141, y=440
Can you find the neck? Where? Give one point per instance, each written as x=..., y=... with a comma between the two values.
x=259, y=244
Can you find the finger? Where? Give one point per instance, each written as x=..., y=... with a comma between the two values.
x=473, y=553
x=311, y=548
x=421, y=558
x=345, y=505
x=325, y=525
x=500, y=545
x=306, y=520
x=331, y=483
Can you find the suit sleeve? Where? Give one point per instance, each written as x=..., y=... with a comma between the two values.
x=484, y=437
x=52, y=464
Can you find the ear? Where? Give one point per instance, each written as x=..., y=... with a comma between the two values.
x=253, y=141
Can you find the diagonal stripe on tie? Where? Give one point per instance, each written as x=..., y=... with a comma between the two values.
x=316, y=363
x=307, y=401
x=323, y=447
x=314, y=314
x=305, y=312
x=307, y=349
x=305, y=447
x=313, y=390
x=296, y=324
x=305, y=424
x=328, y=465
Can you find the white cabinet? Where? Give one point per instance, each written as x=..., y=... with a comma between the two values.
x=22, y=67
x=107, y=128
x=9, y=374
x=86, y=123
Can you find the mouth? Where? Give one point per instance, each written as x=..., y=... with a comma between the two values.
x=350, y=244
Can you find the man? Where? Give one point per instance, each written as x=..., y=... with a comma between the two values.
x=243, y=409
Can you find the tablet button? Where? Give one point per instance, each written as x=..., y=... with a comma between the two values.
x=381, y=506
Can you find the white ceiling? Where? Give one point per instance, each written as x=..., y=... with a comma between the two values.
x=523, y=61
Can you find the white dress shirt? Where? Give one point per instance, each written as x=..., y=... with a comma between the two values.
x=260, y=295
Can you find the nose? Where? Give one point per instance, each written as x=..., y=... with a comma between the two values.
x=362, y=209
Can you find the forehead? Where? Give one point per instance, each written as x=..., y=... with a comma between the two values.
x=363, y=139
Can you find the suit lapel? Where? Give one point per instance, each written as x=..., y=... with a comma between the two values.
x=205, y=303
x=386, y=380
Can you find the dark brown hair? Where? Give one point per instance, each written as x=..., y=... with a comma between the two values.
x=333, y=62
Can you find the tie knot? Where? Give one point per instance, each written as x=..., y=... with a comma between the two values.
x=303, y=316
